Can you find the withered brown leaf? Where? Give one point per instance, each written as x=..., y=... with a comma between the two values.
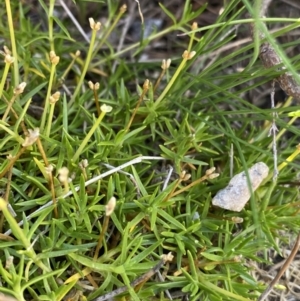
x=270, y=58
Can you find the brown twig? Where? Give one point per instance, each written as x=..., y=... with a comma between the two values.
x=282, y=270
x=146, y=87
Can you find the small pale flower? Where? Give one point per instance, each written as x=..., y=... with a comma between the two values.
x=123, y=8
x=49, y=169
x=91, y=85
x=9, y=59
x=20, y=88
x=92, y=22
x=186, y=177
x=54, y=97
x=210, y=171
x=213, y=176
x=165, y=64
x=167, y=257
x=110, y=207
x=32, y=137
x=94, y=25
x=191, y=55
x=237, y=219
x=63, y=174
x=54, y=59
x=183, y=174
x=194, y=25
x=84, y=163
x=188, y=55
x=185, y=54
x=6, y=50
x=106, y=109
x=52, y=54
x=9, y=262
x=146, y=84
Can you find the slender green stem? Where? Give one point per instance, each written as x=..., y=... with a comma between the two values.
x=46, y=107
x=101, y=236
x=85, y=68
x=245, y=21
x=88, y=136
x=192, y=38
x=13, y=41
x=50, y=24
x=178, y=27
x=3, y=78
x=171, y=82
x=50, y=118
x=109, y=30
x=8, y=108
x=181, y=66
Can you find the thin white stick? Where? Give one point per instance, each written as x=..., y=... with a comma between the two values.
x=140, y=11
x=132, y=178
x=273, y=131
x=231, y=154
x=69, y=13
x=167, y=180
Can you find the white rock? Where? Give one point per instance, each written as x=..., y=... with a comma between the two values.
x=235, y=196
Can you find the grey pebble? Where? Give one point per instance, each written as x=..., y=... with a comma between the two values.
x=236, y=194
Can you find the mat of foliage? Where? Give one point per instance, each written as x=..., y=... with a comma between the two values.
x=91, y=114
